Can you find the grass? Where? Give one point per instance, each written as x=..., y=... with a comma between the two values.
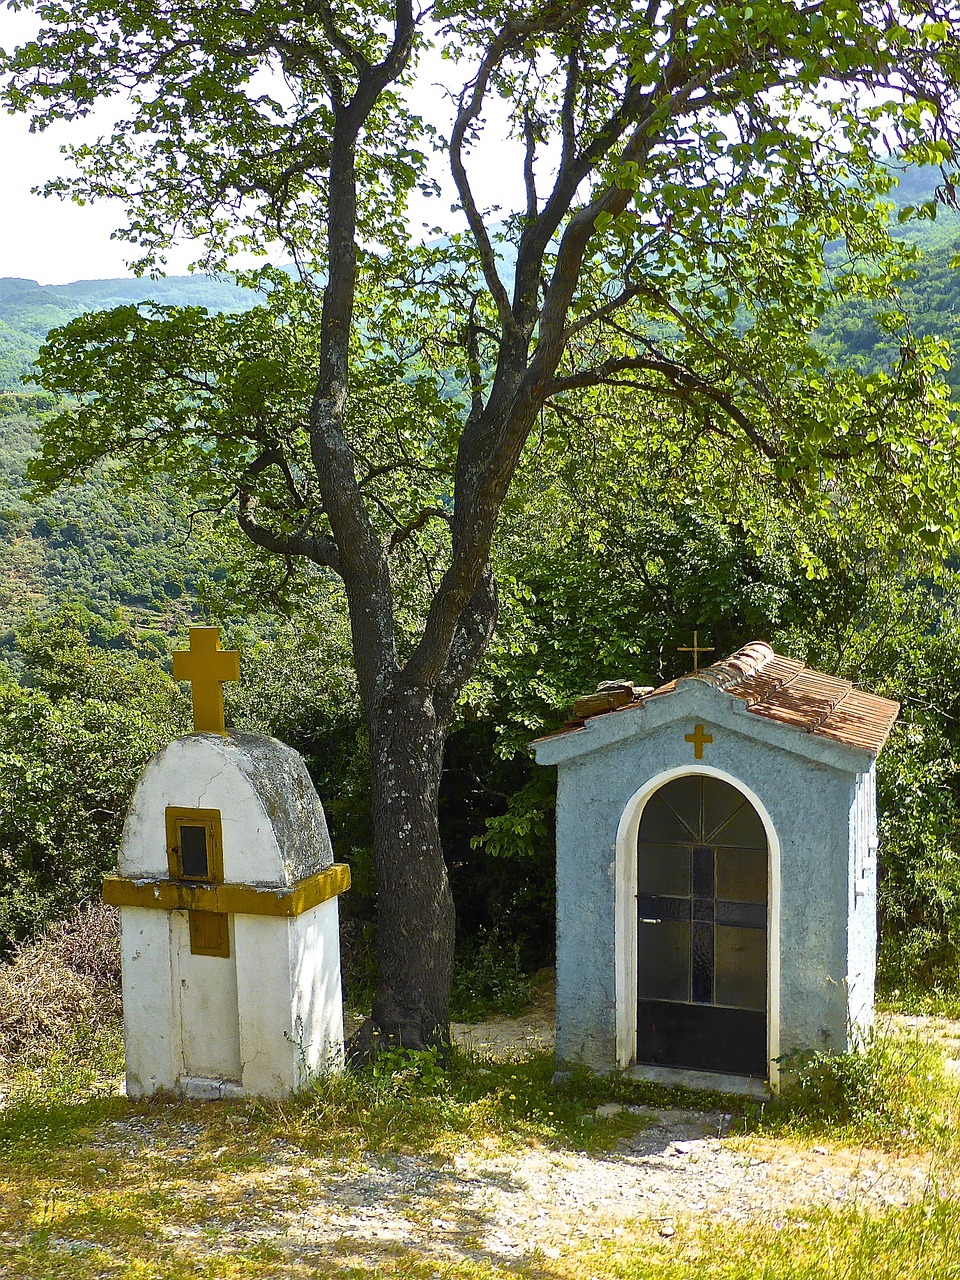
x=93, y=1185
x=913, y=1244
x=928, y=1001
x=893, y=1093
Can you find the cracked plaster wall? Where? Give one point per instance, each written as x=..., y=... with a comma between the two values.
x=270, y=1016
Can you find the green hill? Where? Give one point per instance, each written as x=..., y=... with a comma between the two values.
x=134, y=559
x=131, y=558
x=931, y=302
x=28, y=311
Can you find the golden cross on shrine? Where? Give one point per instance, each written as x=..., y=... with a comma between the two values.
x=696, y=649
x=699, y=740
x=207, y=666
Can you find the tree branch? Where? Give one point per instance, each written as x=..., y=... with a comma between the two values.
x=616, y=303
x=404, y=531
x=683, y=379
x=469, y=110
x=690, y=327
x=353, y=55
x=530, y=151
x=401, y=464
x=361, y=555
x=320, y=550
x=568, y=109
x=475, y=367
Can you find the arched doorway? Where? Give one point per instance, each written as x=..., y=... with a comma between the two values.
x=702, y=919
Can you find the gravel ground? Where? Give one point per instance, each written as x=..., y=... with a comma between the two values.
x=535, y=1202
x=511, y=1205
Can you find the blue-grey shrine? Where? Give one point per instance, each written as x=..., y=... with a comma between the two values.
x=716, y=871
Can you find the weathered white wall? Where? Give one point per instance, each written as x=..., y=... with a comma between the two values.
x=206, y=1006
x=274, y=831
x=150, y=1024
x=862, y=903
x=269, y=1017
x=317, y=1005
x=266, y=1005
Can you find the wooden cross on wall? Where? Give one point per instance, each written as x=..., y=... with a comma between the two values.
x=207, y=666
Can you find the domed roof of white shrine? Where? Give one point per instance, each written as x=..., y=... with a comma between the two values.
x=274, y=828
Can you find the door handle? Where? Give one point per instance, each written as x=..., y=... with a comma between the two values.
x=644, y=920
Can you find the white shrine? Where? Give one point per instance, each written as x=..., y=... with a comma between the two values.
x=227, y=890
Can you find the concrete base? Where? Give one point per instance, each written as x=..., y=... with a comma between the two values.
x=746, y=1086
x=208, y=1090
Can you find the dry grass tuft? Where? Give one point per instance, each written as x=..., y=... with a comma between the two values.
x=67, y=979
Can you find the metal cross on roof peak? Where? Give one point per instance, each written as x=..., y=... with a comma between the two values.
x=207, y=666
x=696, y=649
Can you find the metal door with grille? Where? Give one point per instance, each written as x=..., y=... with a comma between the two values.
x=702, y=931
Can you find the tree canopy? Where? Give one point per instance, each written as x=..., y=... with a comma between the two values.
x=701, y=182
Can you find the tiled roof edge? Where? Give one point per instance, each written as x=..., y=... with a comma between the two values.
x=746, y=662
x=772, y=687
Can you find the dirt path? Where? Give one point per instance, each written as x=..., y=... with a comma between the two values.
x=532, y=1201
x=512, y=1205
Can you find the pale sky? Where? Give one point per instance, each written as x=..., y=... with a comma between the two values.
x=55, y=242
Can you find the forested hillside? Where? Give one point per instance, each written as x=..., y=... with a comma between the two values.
x=131, y=558
x=931, y=301
x=28, y=311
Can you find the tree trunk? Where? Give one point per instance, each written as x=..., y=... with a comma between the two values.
x=415, y=913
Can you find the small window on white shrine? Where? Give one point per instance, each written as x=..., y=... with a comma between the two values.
x=194, y=855
x=194, y=845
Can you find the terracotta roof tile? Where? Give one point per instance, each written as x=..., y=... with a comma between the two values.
x=784, y=690
x=743, y=664
x=763, y=684
x=863, y=720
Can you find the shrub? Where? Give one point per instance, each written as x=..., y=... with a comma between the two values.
x=61, y=988
x=488, y=979
x=891, y=1090
x=74, y=738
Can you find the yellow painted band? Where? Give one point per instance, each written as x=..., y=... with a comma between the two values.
x=234, y=899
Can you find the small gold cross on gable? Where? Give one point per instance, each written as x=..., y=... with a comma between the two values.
x=207, y=666
x=696, y=649
x=699, y=740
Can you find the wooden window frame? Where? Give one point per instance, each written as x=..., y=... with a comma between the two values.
x=209, y=931
x=207, y=818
